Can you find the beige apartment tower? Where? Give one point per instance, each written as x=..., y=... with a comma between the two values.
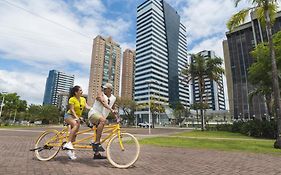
x=105, y=66
x=128, y=74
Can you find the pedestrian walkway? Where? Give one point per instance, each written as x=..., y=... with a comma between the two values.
x=15, y=158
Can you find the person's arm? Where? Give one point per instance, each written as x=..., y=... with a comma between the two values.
x=87, y=106
x=115, y=112
x=101, y=99
x=71, y=107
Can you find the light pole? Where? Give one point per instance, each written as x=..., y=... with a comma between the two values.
x=149, y=112
x=2, y=103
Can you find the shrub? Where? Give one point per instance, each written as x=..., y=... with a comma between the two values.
x=224, y=127
x=237, y=126
x=254, y=128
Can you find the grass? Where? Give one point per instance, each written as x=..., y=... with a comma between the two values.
x=212, y=143
x=213, y=134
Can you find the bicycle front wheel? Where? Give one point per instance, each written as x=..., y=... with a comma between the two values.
x=123, y=152
x=48, y=145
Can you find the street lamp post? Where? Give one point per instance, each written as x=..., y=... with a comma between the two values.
x=149, y=112
x=2, y=103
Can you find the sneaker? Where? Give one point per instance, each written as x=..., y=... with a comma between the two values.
x=99, y=156
x=71, y=155
x=97, y=147
x=68, y=146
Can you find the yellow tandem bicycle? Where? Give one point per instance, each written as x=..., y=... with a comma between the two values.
x=122, y=149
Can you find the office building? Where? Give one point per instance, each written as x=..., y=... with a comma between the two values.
x=241, y=41
x=161, y=54
x=57, y=82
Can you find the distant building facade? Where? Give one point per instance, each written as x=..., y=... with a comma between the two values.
x=105, y=66
x=128, y=73
x=241, y=41
x=214, y=91
x=57, y=82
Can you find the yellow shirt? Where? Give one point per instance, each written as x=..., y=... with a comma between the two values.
x=78, y=105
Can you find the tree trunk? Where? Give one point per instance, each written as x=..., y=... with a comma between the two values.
x=201, y=104
x=202, y=120
x=276, y=91
x=197, y=117
x=153, y=120
x=268, y=101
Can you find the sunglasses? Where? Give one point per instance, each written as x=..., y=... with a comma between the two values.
x=81, y=108
x=108, y=101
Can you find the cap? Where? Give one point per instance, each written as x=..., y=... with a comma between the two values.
x=108, y=85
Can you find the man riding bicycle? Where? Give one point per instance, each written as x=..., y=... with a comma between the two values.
x=103, y=105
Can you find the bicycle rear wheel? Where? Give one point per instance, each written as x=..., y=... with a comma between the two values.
x=48, y=145
x=119, y=157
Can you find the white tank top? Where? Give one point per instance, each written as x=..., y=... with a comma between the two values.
x=98, y=107
x=112, y=100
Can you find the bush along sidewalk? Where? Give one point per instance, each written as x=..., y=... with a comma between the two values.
x=254, y=128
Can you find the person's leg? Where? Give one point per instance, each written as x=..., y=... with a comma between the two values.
x=97, y=144
x=97, y=119
x=74, y=128
x=100, y=128
x=77, y=126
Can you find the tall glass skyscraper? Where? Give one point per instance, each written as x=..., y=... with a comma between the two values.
x=57, y=82
x=161, y=54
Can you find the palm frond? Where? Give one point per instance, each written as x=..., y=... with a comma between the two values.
x=237, y=19
x=272, y=7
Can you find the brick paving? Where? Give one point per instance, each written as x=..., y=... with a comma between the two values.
x=15, y=158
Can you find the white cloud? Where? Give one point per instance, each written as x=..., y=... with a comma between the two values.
x=29, y=86
x=206, y=22
x=52, y=35
x=83, y=82
x=214, y=43
x=90, y=7
x=24, y=36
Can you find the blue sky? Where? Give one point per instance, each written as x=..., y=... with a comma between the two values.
x=39, y=35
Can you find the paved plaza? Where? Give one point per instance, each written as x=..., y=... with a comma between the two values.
x=15, y=159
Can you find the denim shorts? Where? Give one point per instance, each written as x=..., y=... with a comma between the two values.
x=66, y=115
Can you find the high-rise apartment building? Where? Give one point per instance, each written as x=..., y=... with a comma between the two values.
x=241, y=41
x=128, y=72
x=214, y=91
x=105, y=66
x=57, y=82
x=161, y=54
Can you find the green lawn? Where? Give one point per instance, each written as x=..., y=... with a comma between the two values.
x=212, y=134
x=254, y=145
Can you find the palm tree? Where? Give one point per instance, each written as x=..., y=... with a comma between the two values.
x=203, y=67
x=266, y=10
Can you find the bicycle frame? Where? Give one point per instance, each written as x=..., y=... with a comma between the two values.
x=64, y=134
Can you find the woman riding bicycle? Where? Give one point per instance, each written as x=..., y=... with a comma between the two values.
x=72, y=117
